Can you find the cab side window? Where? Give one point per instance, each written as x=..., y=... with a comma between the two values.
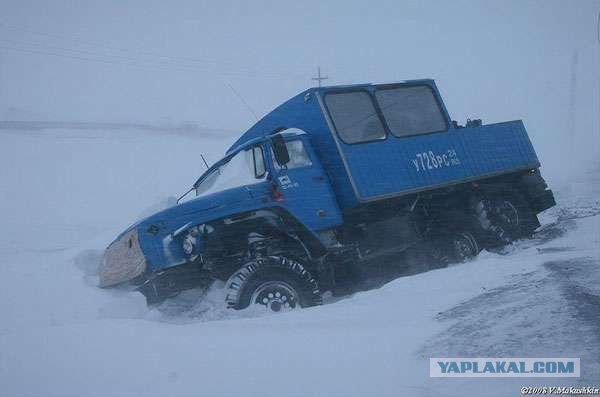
x=258, y=159
x=298, y=156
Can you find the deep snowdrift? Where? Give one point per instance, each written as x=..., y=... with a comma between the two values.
x=66, y=194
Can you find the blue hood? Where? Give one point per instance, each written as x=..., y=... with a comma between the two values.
x=163, y=250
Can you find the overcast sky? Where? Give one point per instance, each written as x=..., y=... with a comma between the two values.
x=150, y=61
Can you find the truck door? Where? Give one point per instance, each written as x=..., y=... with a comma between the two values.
x=304, y=186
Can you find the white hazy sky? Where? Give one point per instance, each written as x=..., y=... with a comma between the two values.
x=149, y=61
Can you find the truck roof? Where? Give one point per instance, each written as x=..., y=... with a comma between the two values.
x=288, y=114
x=360, y=85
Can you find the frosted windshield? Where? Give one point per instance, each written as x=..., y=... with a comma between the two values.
x=238, y=171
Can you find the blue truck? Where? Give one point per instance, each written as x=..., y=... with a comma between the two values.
x=336, y=181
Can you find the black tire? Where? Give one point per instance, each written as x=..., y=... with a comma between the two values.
x=462, y=246
x=454, y=247
x=275, y=282
x=510, y=217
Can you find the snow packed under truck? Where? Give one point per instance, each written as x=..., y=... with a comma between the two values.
x=332, y=183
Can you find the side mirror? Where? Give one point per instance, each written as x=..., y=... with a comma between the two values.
x=282, y=156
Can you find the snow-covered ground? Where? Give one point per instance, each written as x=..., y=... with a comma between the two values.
x=65, y=194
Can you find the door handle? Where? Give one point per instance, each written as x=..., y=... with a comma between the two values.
x=319, y=178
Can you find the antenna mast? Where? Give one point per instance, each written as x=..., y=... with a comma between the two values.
x=319, y=78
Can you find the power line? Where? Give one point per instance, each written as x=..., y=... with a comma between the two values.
x=137, y=62
x=128, y=61
x=29, y=51
x=44, y=46
x=97, y=44
x=171, y=59
x=119, y=56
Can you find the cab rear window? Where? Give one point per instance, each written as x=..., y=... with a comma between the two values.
x=410, y=110
x=354, y=116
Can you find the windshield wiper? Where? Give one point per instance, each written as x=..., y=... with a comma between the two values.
x=195, y=184
x=185, y=194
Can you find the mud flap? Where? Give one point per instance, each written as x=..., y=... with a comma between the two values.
x=543, y=201
x=539, y=197
x=169, y=283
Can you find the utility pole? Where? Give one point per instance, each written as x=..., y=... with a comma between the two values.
x=572, y=120
x=598, y=38
x=0, y=82
x=319, y=78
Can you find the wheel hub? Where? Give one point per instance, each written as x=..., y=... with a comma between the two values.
x=507, y=213
x=463, y=248
x=275, y=296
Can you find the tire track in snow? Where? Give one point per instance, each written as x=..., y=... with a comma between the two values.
x=552, y=311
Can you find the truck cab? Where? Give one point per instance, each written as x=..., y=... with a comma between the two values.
x=330, y=184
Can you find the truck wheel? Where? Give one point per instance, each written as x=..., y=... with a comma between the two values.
x=454, y=247
x=463, y=246
x=274, y=282
x=510, y=217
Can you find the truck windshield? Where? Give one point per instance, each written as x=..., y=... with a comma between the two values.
x=245, y=168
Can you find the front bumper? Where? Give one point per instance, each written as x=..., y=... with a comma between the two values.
x=123, y=261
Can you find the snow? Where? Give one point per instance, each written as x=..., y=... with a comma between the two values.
x=66, y=194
